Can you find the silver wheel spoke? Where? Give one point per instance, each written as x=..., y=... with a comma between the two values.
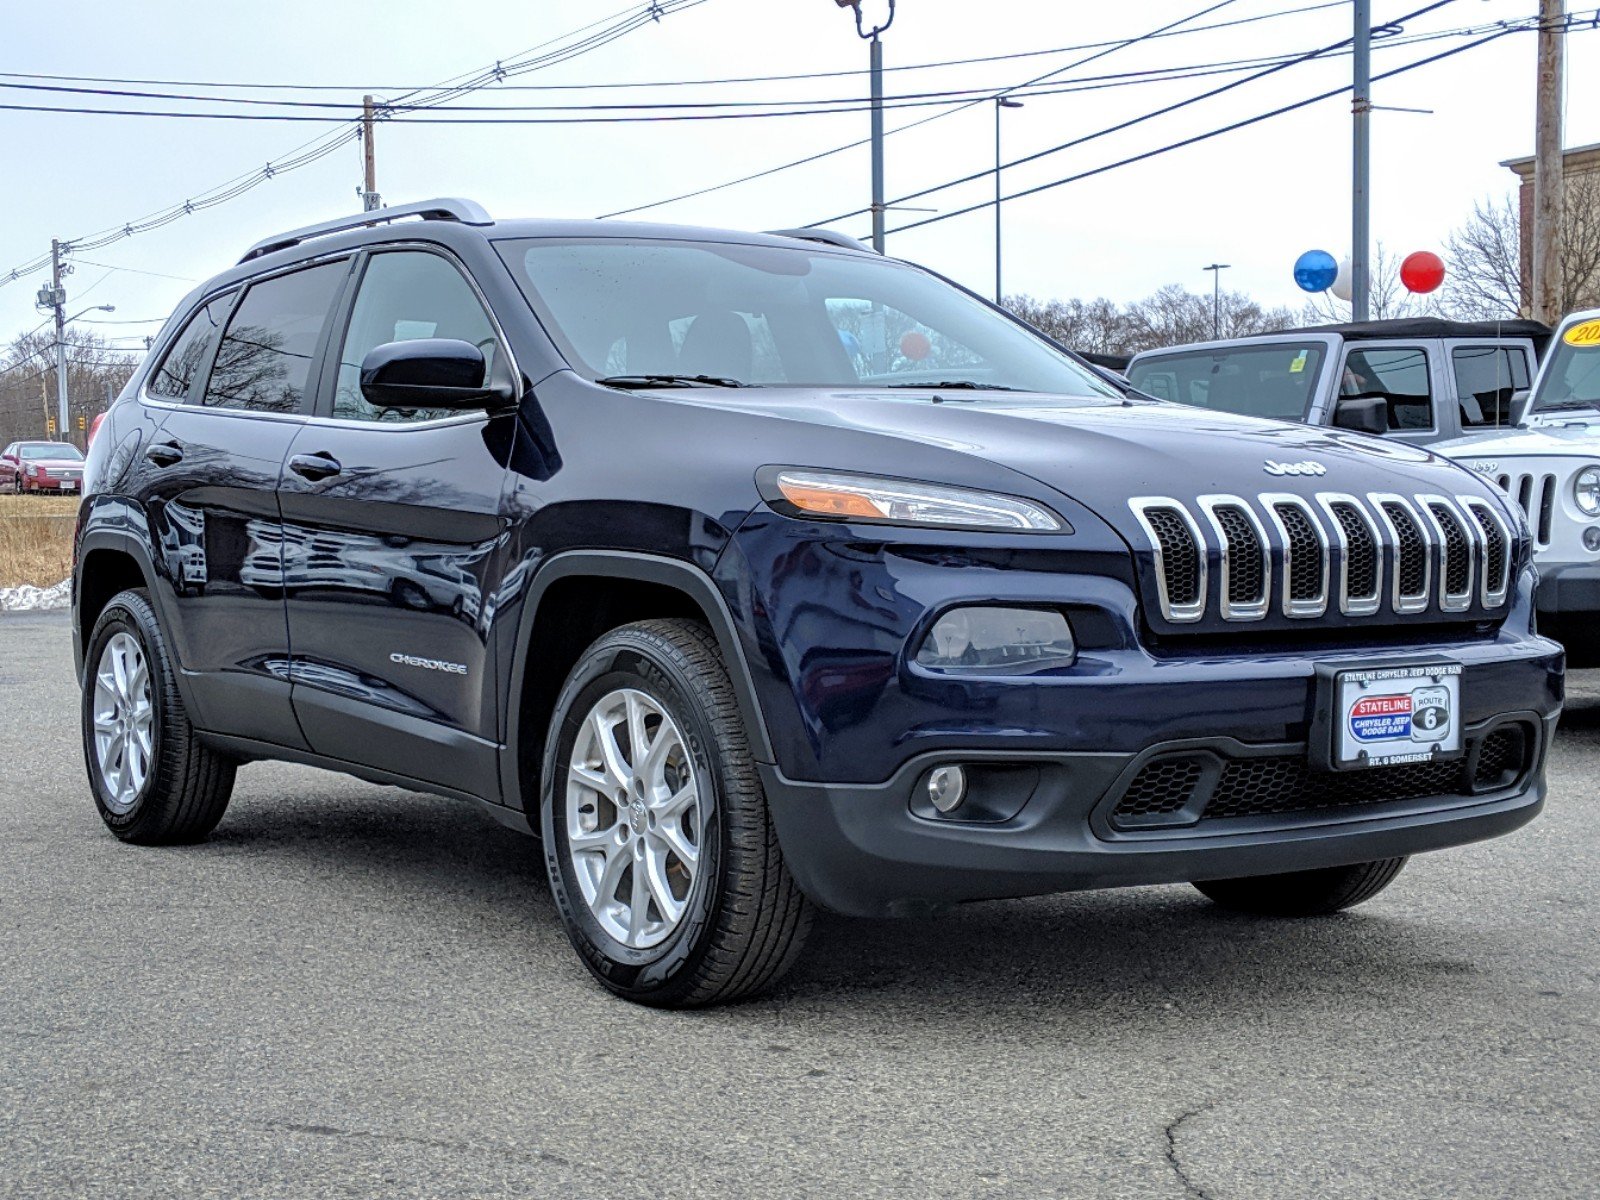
x=648, y=803
x=124, y=721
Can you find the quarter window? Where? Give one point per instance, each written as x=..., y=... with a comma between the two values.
x=265, y=358
x=407, y=294
x=1485, y=378
x=1399, y=378
x=189, y=352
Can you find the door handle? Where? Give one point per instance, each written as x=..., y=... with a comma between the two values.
x=320, y=465
x=165, y=454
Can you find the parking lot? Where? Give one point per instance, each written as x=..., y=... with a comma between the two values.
x=352, y=990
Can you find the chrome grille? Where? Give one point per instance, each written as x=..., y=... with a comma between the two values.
x=1280, y=553
x=1536, y=493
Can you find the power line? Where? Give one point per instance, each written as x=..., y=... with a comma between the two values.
x=668, y=83
x=325, y=144
x=1293, y=60
x=1201, y=137
x=811, y=158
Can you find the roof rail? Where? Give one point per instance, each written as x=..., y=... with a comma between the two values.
x=444, y=209
x=826, y=236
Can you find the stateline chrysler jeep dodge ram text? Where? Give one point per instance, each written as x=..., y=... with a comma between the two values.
x=758, y=571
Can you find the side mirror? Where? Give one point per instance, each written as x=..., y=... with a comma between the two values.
x=431, y=373
x=1364, y=414
x=1519, y=406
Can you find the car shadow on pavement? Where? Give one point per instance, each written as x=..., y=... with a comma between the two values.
x=1120, y=953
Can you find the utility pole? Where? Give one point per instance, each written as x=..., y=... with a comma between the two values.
x=1547, y=163
x=1216, y=270
x=44, y=407
x=1000, y=102
x=369, y=192
x=876, y=65
x=58, y=297
x=1361, y=167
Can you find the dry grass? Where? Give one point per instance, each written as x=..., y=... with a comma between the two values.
x=36, y=539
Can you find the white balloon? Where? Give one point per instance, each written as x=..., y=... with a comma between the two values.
x=1342, y=285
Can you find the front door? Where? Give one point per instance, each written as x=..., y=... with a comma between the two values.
x=392, y=540
x=1404, y=377
x=208, y=490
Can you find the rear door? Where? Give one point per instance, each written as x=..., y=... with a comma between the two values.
x=392, y=536
x=237, y=384
x=1484, y=376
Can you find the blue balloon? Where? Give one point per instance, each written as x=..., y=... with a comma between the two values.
x=1315, y=271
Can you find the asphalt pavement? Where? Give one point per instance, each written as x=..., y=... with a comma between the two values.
x=356, y=991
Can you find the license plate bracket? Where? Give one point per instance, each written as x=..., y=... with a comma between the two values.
x=1387, y=714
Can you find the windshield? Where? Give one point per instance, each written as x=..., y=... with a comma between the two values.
x=1571, y=377
x=776, y=316
x=49, y=450
x=1272, y=380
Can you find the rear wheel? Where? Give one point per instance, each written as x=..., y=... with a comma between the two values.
x=662, y=856
x=153, y=781
x=1304, y=893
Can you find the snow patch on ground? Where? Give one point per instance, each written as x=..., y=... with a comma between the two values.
x=27, y=598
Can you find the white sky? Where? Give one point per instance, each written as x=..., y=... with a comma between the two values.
x=1255, y=198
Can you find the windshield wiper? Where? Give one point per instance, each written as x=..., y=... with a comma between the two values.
x=1565, y=406
x=970, y=385
x=672, y=381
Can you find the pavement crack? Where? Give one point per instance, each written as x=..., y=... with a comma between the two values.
x=1190, y=1187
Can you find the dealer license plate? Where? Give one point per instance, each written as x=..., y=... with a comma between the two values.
x=1391, y=715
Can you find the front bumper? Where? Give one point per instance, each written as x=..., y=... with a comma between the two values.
x=51, y=485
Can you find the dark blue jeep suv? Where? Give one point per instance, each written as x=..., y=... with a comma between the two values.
x=756, y=571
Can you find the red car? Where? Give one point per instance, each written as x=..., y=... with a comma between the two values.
x=41, y=467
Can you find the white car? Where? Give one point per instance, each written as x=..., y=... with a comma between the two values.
x=1550, y=465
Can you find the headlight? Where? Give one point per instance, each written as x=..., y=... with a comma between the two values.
x=1586, y=490
x=900, y=502
x=1009, y=641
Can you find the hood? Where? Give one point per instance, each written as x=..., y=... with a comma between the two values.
x=55, y=464
x=1557, y=435
x=1102, y=452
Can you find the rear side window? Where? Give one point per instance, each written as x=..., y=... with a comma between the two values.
x=265, y=358
x=189, y=352
x=1485, y=378
x=1399, y=378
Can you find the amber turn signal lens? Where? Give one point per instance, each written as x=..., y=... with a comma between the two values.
x=827, y=502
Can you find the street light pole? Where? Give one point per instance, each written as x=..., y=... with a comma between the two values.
x=999, y=103
x=876, y=64
x=1216, y=270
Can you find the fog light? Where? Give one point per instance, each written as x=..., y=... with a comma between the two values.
x=1004, y=641
x=1591, y=538
x=947, y=788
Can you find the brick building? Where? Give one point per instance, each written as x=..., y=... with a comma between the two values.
x=1581, y=173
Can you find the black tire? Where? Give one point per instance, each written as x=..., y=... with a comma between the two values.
x=1303, y=893
x=188, y=786
x=745, y=921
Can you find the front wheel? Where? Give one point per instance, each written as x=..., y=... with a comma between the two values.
x=1304, y=893
x=661, y=854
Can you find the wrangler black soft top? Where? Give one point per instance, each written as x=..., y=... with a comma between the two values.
x=1429, y=327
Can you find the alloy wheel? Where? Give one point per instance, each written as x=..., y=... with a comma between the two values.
x=635, y=818
x=124, y=721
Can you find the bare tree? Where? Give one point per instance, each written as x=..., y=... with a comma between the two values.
x=1087, y=326
x=1485, y=255
x=28, y=380
x=1174, y=315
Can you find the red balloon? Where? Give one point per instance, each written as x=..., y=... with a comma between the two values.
x=1422, y=271
x=915, y=345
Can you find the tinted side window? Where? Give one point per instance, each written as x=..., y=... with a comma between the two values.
x=1485, y=378
x=406, y=294
x=1399, y=377
x=265, y=357
x=189, y=352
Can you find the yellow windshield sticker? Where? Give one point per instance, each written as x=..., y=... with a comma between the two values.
x=1298, y=363
x=1584, y=333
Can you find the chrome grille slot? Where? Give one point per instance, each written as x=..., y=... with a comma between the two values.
x=1179, y=556
x=1537, y=496
x=1411, y=553
x=1304, y=546
x=1360, y=573
x=1495, y=576
x=1547, y=506
x=1458, y=550
x=1245, y=564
